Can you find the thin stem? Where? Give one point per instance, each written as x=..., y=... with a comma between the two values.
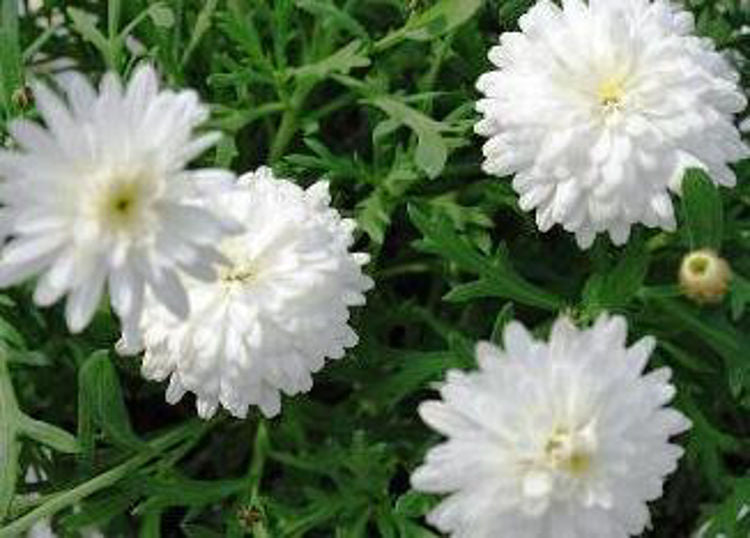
x=104, y=480
x=289, y=122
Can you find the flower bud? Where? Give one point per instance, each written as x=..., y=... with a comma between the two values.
x=704, y=276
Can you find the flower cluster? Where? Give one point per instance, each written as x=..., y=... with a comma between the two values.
x=240, y=288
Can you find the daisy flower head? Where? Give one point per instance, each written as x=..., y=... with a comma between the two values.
x=101, y=197
x=598, y=109
x=275, y=314
x=560, y=439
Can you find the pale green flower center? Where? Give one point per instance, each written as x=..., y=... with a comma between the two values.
x=568, y=452
x=611, y=93
x=120, y=205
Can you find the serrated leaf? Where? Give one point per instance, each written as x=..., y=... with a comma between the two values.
x=703, y=209
x=443, y=17
x=342, y=61
x=497, y=277
x=432, y=152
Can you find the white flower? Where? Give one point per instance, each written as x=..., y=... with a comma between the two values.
x=566, y=439
x=100, y=198
x=275, y=314
x=599, y=108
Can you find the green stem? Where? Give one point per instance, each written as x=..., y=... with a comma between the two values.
x=285, y=133
x=104, y=480
x=9, y=445
x=290, y=120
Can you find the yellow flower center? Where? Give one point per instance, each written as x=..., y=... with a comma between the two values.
x=611, y=93
x=564, y=451
x=120, y=204
x=239, y=274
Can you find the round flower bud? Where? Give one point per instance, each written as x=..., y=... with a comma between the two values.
x=704, y=276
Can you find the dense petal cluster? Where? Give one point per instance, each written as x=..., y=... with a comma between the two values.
x=598, y=108
x=275, y=313
x=101, y=197
x=547, y=440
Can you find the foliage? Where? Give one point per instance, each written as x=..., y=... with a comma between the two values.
x=377, y=96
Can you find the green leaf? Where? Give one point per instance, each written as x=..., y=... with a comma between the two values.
x=739, y=290
x=505, y=316
x=11, y=335
x=731, y=518
x=9, y=445
x=726, y=340
x=707, y=445
x=443, y=17
x=328, y=12
x=202, y=25
x=49, y=435
x=100, y=403
x=85, y=24
x=161, y=15
x=497, y=277
x=432, y=152
x=704, y=214
x=11, y=67
x=342, y=61
x=615, y=288
x=415, y=504
x=414, y=370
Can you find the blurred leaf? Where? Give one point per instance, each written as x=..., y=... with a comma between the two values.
x=85, y=24
x=161, y=15
x=739, y=293
x=441, y=18
x=723, y=338
x=49, y=435
x=415, y=504
x=707, y=445
x=100, y=403
x=9, y=445
x=732, y=517
x=703, y=210
x=330, y=13
x=616, y=288
x=202, y=25
x=342, y=61
x=11, y=69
